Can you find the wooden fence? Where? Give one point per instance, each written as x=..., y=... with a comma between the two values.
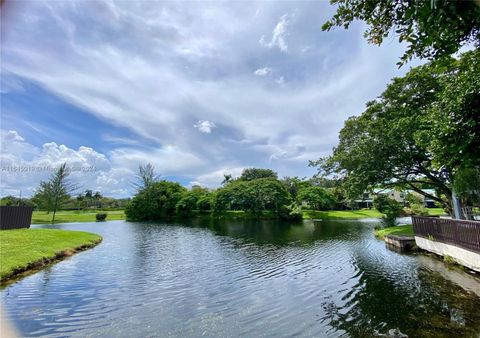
x=461, y=233
x=15, y=217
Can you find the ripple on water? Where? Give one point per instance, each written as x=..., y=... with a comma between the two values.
x=242, y=279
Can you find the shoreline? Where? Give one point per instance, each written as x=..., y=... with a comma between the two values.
x=25, y=268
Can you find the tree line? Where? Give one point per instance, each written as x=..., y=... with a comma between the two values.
x=257, y=192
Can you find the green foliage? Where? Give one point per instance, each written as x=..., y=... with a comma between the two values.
x=157, y=201
x=52, y=195
x=416, y=205
x=253, y=196
x=197, y=198
x=399, y=139
x=431, y=29
x=256, y=173
x=453, y=118
x=292, y=212
x=15, y=201
x=391, y=208
x=100, y=217
x=467, y=185
x=316, y=198
x=293, y=184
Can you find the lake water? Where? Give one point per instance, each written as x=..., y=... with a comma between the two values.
x=250, y=279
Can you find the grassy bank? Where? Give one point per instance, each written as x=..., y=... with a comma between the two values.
x=27, y=249
x=41, y=217
x=406, y=230
x=341, y=214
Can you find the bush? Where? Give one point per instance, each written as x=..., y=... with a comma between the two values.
x=416, y=205
x=391, y=208
x=101, y=217
x=292, y=212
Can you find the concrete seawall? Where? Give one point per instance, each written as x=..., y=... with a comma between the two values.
x=464, y=257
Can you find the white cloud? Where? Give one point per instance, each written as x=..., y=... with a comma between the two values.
x=279, y=34
x=204, y=126
x=157, y=77
x=263, y=71
x=23, y=166
x=214, y=179
x=11, y=136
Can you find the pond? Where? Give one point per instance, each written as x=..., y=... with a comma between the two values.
x=239, y=278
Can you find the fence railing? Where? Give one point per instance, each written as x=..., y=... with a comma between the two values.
x=15, y=217
x=461, y=233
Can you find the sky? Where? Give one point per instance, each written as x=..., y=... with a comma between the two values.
x=198, y=89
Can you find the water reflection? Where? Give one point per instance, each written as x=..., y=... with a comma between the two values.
x=244, y=278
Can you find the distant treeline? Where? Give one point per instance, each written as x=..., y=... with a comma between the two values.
x=85, y=201
x=257, y=192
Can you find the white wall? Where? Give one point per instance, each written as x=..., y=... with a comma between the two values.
x=464, y=257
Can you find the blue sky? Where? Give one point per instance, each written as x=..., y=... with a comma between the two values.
x=199, y=89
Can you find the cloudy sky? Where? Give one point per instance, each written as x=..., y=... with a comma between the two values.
x=198, y=89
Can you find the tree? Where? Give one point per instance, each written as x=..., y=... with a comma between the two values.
x=156, y=201
x=294, y=184
x=53, y=194
x=431, y=28
x=197, y=198
x=227, y=178
x=454, y=117
x=97, y=197
x=317, y=198
x=80, y=198
x=253, y=197
x=256, y=173
x=399, y=140
x=467, y=185
x=145, y=177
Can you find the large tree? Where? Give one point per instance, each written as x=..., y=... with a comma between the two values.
x=256, y=173
x=406, y=138
x=253, y=196
x=431, y=28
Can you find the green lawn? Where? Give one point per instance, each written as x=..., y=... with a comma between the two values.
x=41, y=217
x=406, y=229
x=356, y=214
x=436, y=212
x=22, y=248
x=341, y=214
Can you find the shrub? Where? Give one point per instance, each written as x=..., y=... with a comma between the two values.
x=101, y=217
x=292, y=212
x=416, y=205
x=391, y=208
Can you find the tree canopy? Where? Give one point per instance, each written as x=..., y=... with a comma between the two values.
x=415, y=134
x=256, y=173
x=431, y=28
x=253, y=196
x=316, y=198
x=158, y=200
